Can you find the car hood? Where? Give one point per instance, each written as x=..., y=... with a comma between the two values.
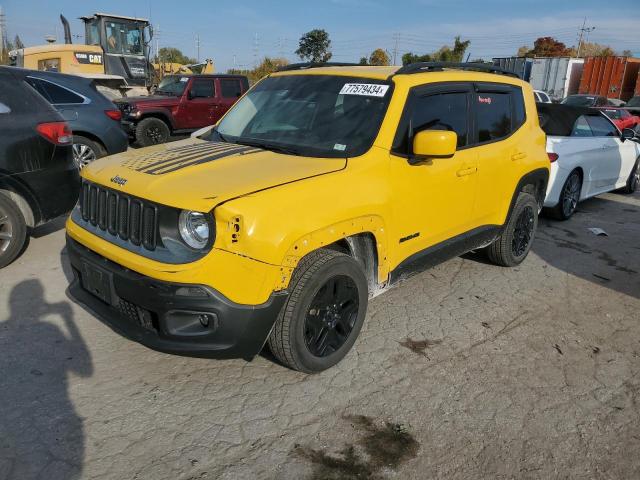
x=198, y=175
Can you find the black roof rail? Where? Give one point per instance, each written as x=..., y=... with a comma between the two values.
x=306, y=65
x=421, y=67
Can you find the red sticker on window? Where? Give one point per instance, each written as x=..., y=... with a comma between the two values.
x=486, y=100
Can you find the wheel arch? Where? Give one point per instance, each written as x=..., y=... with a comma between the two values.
x=90, y=136
x=19, y=196
x=160, y=115
x=535, y=183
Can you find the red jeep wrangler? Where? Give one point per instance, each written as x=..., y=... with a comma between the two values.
x=180, y=104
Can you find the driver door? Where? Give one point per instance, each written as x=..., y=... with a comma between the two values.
x=433, y=200
x=201, y=103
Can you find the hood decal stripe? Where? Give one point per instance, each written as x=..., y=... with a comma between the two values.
x=179, y=159
x=157, y=159
x=236, y=151
x=153, y=169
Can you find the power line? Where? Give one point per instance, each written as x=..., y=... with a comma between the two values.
x=582, y=31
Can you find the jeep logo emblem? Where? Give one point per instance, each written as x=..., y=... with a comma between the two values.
x=119, y=180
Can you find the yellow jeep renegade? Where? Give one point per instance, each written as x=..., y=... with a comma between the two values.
x=320, y=188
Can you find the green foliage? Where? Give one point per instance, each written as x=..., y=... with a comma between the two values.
x=379, y=57
x=173, y=55
x=267, y=66
x=444, y=54
x=314, y=46
x=364, y=61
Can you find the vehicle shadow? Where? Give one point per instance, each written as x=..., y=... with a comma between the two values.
x=50, y=227
x=41, y=434
x=611, y=261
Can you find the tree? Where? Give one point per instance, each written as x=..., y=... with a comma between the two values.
x=267, y=65
x=549, y=47
x=314, y=46
x=364, y=61
x=627, y=53
x=379, y=57
x=595, y=50
x=17, y=43
x=444, y=54
x=173, y=55
x=523, y=51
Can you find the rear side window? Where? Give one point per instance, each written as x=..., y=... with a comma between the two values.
x=203, y=88
x=230, y=87
x=4, y=108
x=494, y=116
x=581, y=128
x=601, y=127
x=53, y=93
x=17, y=97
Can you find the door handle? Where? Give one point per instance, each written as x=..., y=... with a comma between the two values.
x=466, y=171
x=518, y=156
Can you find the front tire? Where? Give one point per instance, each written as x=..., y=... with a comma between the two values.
x=86, y=151
x=13, y=231
x=634, y=179
x=152, y=131
x=514, y=243
x=569, y=197
x=324, y=313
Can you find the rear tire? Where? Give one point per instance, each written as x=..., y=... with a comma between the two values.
x=634, y=179
x=86, y=151
x=13, y=231
x=569, y=197
x=152, y=131
x=324, y=313
x=514, y=243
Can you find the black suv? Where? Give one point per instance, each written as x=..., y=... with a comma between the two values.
x=93, y=118
x=39, y=179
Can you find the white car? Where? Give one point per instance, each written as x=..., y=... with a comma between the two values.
x=588, y=155
x=542, y=97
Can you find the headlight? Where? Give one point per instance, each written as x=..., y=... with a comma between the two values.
x=194, y=229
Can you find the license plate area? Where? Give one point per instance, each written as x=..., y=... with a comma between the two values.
x=97, y=282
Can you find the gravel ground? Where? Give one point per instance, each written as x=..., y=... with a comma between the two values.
x=465, y=371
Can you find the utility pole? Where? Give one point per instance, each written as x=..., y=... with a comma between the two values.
x=156, y=34
x=255, y=49
x=198, y=47
x=581, y=35
x=396, y=37
x=3, y=34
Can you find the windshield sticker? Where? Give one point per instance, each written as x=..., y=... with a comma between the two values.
x=184, y=79
x=340, y=147
x=367, y=89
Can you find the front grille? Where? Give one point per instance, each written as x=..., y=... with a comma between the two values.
x=123, y=107
x=131, y=219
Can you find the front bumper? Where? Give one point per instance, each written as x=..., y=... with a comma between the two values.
x=165, y=316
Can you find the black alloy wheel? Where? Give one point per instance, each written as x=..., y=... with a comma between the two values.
x=571, y=194
x=523, y=232
x=331, y=316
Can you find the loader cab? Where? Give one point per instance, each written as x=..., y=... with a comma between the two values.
x=124, y=42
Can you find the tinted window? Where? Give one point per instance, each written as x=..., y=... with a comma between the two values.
x=494, y=115
x=612, y=113
x=581, y=128
x=580, y=100
x=4, y=108
x=443, y=111
x=230, y=87
x=601, y=127
x=545, y=97
x=202, y=88
x=54, y=93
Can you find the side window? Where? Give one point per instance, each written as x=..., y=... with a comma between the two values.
x=202, y=88
x=581, y=128
x=230, y=87
x=494, y=114
x=601, y=127
x=4, y=108
x=49, y=65
x=55, y=94
x=545, y=98
x=444, y=111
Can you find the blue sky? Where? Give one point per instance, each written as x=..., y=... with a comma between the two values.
x=228, y=29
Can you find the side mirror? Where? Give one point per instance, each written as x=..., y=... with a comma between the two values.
x=433, y=144
x=628, y=134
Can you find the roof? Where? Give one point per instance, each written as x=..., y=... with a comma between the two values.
x=114, y=16
x=62, y=47
x=364, y=71
x=557, y=119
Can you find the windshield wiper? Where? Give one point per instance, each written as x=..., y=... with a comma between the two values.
x=268, y=146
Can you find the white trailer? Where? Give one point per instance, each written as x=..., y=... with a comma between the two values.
x=559, y=77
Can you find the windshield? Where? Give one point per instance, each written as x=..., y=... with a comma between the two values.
x=172, y=85
x=634, y=102
x=614, y=113
x=313, y=115
x=123, y=38
x=579, y=101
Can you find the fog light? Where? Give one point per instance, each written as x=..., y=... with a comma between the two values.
x=204, y=320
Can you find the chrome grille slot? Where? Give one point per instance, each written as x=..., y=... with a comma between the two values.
x=117, y=214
